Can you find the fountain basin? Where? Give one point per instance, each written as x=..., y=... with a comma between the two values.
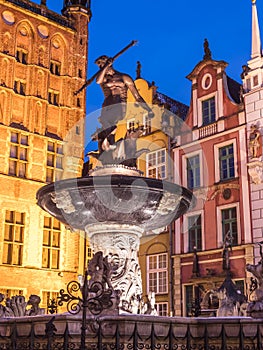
x=117, y=199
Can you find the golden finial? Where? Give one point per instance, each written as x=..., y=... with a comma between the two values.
x=254, y=1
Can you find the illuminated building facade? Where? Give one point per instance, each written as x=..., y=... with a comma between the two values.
x=43, y=60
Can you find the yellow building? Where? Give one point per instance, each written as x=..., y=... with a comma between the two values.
x=155, y=253
x=43, y=60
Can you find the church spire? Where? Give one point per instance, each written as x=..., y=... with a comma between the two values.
x=256, y=42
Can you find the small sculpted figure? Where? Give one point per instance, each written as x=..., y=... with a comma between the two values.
x=257, y=271
x=34, y=301
x=255, y=142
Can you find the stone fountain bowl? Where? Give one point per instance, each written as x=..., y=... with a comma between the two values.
x=116, y=199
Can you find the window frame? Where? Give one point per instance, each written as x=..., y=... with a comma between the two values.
x=186, y=308
x=14, y=227
x=159, y=311
x=211, y=118
x=184, y=165
x=186, y=229
x=55, y=171
x=130, y=123
x=217, y=147
x=22, y=149
x=147, y=122
x=21, y=55
x=161, y=273
x=53, y=97
x=20, y=87
x=55, y=67
x=50, y=247
x=157, y=165
x=44, y=298
x=194, y=230
x=219, y=223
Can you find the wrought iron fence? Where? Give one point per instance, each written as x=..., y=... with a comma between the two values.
x=132, y=332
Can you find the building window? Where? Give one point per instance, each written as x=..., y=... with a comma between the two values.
x=194, y=233
x=162, y=309
x=240, y=285
x=89, y=254
x=229, y=224
x=156, y=164
x=255, y=80
x=157, y=273
x=189, y=297
x=20, y=87
x=9, y=293
x=53, y=97
x=18, y=154
x=193, y=172
x=227, y=163
x=54, y=161
x=131, y=124
x=80, y=73
x=51, y=243
x=147, y=122
x=55, y=67
x=47, y=297
x=13, y=238
x=209, y=111
x=21, y=56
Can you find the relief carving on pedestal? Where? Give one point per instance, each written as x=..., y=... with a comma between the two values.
x=121, y=251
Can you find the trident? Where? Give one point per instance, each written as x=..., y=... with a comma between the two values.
x=94, y=76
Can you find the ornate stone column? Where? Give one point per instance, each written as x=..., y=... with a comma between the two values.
x=120, y=242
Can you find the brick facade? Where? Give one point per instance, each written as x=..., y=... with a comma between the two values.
x=43, y=60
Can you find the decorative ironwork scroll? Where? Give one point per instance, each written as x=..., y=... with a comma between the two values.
x=98, y=297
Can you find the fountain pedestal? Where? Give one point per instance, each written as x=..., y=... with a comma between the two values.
x=120, y=243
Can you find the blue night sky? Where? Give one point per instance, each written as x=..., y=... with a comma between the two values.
x=170, y=35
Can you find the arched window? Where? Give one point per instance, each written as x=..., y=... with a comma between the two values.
x=24, y=43
x=57, y=55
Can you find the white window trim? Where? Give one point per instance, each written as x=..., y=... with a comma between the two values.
x=219, y=223
x=148, y=270
x=162, y=303
x=145, y=116
x=147, y=161
x=184, y=297
x=184, y=161
x=199, y=107
x=216, y=157
x=185, y=228
x=130, y=120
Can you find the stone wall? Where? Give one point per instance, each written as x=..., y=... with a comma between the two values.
x=131, y=332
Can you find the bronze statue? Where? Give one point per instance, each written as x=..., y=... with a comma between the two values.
x=227, y=246
x=115, y=86
x=138, y=70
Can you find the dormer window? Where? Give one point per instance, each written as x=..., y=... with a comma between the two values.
x=208, y=111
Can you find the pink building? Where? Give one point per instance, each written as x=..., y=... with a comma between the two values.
x=214, y=238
